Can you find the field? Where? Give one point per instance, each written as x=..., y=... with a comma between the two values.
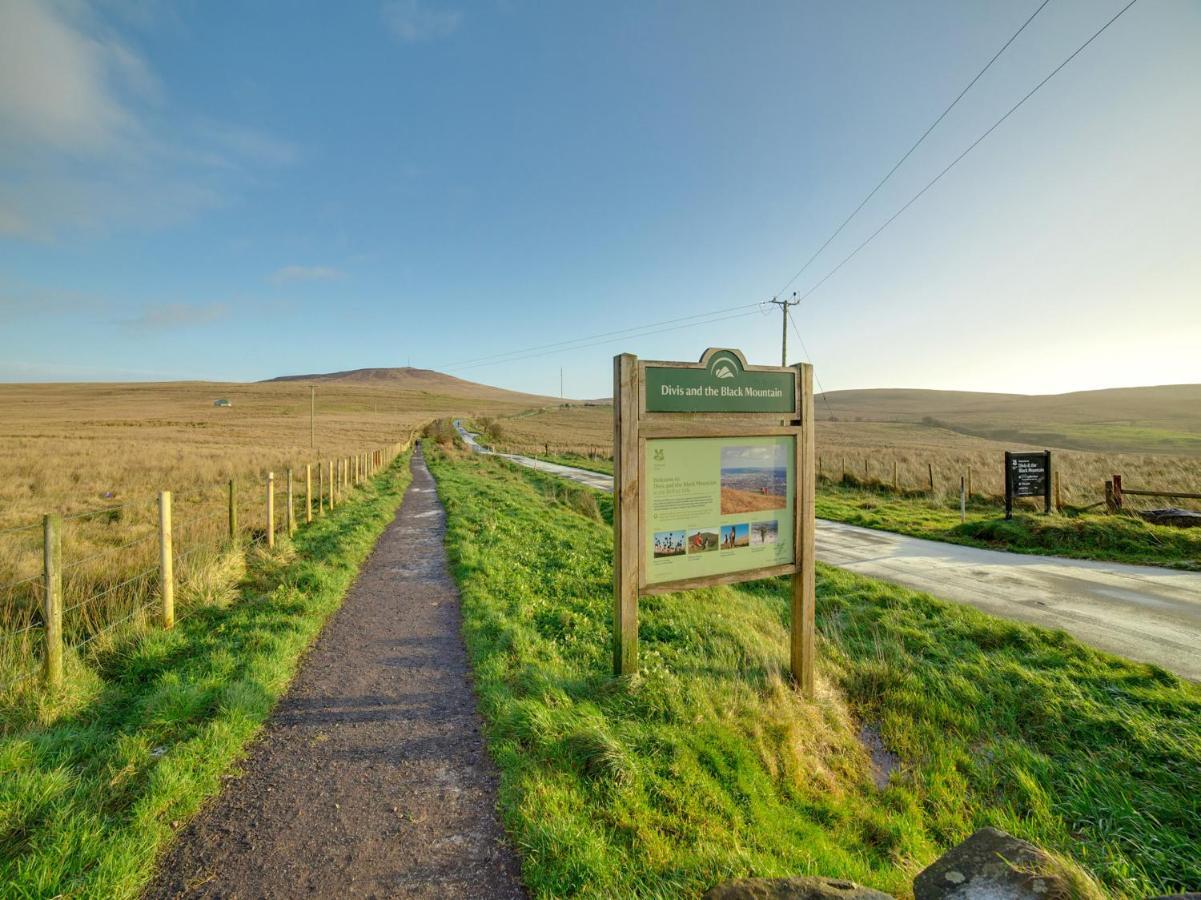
x=1163, y=419
x=707, y=766
x=99, y=454
x=869, y=450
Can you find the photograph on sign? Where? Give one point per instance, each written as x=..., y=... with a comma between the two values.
x=718, y=505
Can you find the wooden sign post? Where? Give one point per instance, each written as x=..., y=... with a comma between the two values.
x=1027, y=475
x=713, y=474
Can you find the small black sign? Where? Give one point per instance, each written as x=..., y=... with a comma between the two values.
x=1027, y=475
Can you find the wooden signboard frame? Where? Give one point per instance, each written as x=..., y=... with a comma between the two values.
x=1011, y=484
x=634, y=425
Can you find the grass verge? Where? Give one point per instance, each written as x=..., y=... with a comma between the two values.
x=706, y=765
x=1115, y=538
x=97, y=779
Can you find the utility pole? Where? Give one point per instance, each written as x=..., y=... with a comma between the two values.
x=312, y=416
x=784, y=304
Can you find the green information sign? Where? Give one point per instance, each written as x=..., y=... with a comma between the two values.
x=720, y=384
x=718, y=505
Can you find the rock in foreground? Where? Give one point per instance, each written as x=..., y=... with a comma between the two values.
x=990, y=865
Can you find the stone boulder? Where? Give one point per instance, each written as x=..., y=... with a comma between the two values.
x=801, y=887
x=1180, y=518
x=990, y=865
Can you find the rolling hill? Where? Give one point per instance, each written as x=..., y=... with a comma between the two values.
x=1160, y=419
x=406, y=378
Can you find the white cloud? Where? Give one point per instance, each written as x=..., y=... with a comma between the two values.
x=89, y=141
x=304, y=273
x=55, y=83
x=168, y=316
x=411, y=22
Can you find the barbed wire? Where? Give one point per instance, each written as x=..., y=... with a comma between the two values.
x=109, y=627
x=78, y=563
x=12, y=529
x=92, y=598
x=21, y=581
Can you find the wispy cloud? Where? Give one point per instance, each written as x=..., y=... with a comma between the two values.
x=169, y=316
x=304, y=273
x=90, y=140
x=410, y=21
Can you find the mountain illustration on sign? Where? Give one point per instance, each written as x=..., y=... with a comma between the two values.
x=724, y=371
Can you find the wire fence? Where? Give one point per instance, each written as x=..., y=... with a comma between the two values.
x=84, y=577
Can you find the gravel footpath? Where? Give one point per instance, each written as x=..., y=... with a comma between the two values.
x=371, y=778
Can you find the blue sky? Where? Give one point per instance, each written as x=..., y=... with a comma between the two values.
x=236, y=191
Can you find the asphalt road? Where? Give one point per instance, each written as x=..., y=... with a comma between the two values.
x=1140, y=612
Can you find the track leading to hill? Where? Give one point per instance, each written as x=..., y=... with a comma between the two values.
x=1144, y=613
x=371, y=778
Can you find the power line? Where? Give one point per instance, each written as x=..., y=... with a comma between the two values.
x=805, y=350
x=969, y=149
x=563, y=345
x=909, y=152
x=608, y=340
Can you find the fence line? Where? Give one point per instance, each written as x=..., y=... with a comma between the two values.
x=208, y=532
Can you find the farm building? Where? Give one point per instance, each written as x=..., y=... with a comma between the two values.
x=222, y=402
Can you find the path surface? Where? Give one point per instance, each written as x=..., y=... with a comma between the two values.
x=371, y=779
x=1140, y=612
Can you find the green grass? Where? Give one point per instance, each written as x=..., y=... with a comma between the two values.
x=1085, y=536
x=96, y=780
x=707, y=765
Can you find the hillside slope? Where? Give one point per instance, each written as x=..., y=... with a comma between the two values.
x=1160, y=419
x=406, y=378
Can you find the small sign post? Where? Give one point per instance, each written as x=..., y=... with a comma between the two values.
x=1027, y=475
x=714, y=480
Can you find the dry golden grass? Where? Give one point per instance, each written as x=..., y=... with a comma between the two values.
x=915, y=448
x=99, y=454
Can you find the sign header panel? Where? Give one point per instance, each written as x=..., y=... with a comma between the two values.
x=1028, y=474
x=720, y=383
x=718, y=505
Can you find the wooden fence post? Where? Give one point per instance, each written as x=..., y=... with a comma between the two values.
x=332, y=489
x=166, y=559
x=233, y=511
x=844, y=470
x=1058, y=495
x=804, y=592
x=896, y=476
x=969, y=481
x=291, y=517
x=866, y=475
x=52, y=610
x=962, y=499
x=270, y=509
x=1117, y=491
x=1109, y=497
x=625, y=515
x=930, y=468
x=308, y=492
